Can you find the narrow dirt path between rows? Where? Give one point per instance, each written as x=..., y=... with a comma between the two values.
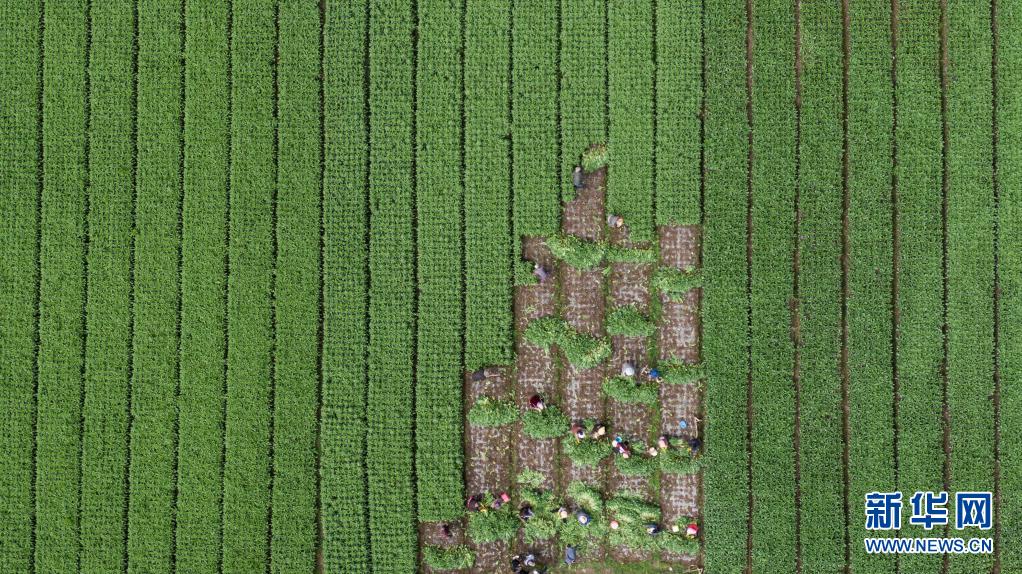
x=536, y=373
x=488, y=464
x=629, y=285
x=680, y=495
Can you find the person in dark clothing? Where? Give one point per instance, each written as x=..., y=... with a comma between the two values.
x=576, y=177
x=536, y=402
x=653, y=529
x=516, y=564
x=695, y=445
x=473, y=502
x=569, y=555
x=526, y=513
x=540, y=272
x=478, y=375
x=446, y=529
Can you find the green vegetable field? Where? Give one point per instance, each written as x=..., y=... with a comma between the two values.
x=307, y=286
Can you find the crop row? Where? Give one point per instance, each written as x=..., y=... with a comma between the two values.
x=920, y=346
x=109, y=301
x=203, y=289
x=630, y=56
x=389, y=453
x=679, y=99
x=154, y=362
x=970, y=257
x=20, y=198
x=62, y=290
x=488, y=308
x=534, y=120
x=1009, y=179
x=725, y=309
x=868, y=305
x=342, y=463
x=247, y=466
x=773, y=215
x=438, y=430
x=819, y=283
x=582, y=81
x=297, y=291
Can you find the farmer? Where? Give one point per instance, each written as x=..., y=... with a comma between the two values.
x=615, y=220
x=662, y=442
x=614, y=525
x=653, y=451
x=540, y=272
x=692, y=530
x=582, y=518
x=446, y=529
x=599, y=432
x=576, y=177
x=652, y=529
x=579, y=431
x=526, y=513
x=478, y=375
x=569, y=555
x=694, y=444
x=530, y=559
x=654, y=374
x=628, y=369
x=473, y=502
x=562, y=512
x=536, y=402
x=500, y=500
x=516, y=564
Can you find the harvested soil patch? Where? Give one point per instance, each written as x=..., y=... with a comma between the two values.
x=536, y=373
x=582, y=298
x=629, y=285
x=432, y=534
x=680, y=495
x=488, y=465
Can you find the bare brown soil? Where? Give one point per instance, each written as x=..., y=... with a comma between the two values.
x=488, y=464
x=536, y=373
x=432, y=534
x=583, y=307
x=680, y=495
x=629, y=285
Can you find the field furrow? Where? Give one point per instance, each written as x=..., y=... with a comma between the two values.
x=392, y=303
x=772, y=228
x=247, y=465
x=488, y=244
x=726, y=304
x=869, y=312
x=822, y=530
x=920, y=347
x=630, y=185
x=970, y=260
x=62, y=289
x=679, y=101
x=297, y=297
x=439, y=461
x=20, y=180
x=345, y=284
x=111, y=182
x=157, y=243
